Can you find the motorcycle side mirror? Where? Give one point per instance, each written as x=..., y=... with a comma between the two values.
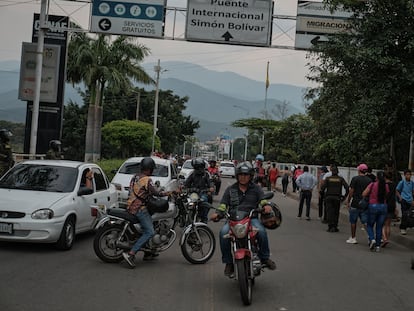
x=268, y=195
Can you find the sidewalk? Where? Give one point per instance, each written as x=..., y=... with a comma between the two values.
x=396, y=237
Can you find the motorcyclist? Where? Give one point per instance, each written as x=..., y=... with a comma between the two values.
x=54, y=152
x=6, y=156
x=244, y=195
x=260, y=172
x=141, y=187
x=215, y=175
x=200, y=181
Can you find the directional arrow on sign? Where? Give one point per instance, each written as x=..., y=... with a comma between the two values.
x=105, y=24
x=227, y=36
x=316, y=40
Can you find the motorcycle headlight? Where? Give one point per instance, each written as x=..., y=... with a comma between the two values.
x=194, y=197
x=43, y=214
x=240, y=230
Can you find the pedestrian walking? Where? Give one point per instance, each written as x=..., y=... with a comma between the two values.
x=332, y=189
x=391, y=207
x=273, y=175
x=285, y=180
x=295, y=174
x=358, y=184
x=305, y=182
x=404, y=193
x=321, y=199
x=377, y=209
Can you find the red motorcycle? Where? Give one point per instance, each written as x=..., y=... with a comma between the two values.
x=247, y=264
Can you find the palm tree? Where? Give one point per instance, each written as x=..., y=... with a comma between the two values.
x=101, y=63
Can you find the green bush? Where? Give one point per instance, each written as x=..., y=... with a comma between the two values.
x=109, y=165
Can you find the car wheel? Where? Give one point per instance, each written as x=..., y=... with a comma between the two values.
x=67, y=236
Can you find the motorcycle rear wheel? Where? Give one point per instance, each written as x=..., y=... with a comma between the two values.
x=199, y=251
x=245, y=283
x=105, y=243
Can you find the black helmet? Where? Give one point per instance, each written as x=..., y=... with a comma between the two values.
x=55, y=144
x=244, y=168
x=5, y=134
x=147, y=164
x=198, y=164
x=273, y=219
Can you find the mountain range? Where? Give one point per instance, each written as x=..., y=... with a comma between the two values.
x=216, y=99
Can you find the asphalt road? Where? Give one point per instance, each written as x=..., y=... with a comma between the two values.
x=317, y=271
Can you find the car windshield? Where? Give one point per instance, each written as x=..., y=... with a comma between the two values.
x=227, y=165
x=135, y=168
x=40, y=178
x=187, y=165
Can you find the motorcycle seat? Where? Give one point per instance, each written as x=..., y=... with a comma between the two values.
x=124, y=214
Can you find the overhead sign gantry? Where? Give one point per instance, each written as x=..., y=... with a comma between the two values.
x=143, y=18
x=243, y=22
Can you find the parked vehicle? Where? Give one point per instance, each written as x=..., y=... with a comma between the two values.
x=118, y=230
x=227, y=168
x=164, y=175
x=46, y=201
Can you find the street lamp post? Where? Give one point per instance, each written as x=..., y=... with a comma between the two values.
x=247, y=132
x=157, y=69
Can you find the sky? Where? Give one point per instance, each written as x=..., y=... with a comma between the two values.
x=286, y=65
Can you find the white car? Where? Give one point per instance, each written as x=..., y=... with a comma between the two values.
x=187, y=169
x=164, y=174
x=227, y=168
x=46, y=201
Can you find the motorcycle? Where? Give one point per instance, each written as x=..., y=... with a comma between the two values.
x=247, y=263
x=117, y=230
x=216, y=181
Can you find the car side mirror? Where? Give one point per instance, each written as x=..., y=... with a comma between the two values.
x=114, y=171
x=84, y=191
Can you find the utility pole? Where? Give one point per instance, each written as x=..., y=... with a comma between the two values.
x=157, y=69
x=39, y=64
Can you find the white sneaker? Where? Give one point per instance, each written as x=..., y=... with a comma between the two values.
x=351, y=240
x=372, y=245
x=403, y=232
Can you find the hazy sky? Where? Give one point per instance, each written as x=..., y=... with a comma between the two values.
x=286, y=65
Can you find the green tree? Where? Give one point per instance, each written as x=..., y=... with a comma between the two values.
x=103, y=64
x=173, y=125
x=129, y=138
x=366, y=76
x=73, y=133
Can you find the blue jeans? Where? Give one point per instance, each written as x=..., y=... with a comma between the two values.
x=376, y=216
x=262, y=240
x=355, y=213
x=145, y=221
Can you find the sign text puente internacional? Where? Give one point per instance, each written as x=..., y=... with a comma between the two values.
x=246, y=22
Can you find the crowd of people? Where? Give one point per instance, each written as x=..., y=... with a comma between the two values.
x=371, y=199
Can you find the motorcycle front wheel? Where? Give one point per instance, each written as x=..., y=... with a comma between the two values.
x=245, y=282
x=106, y=244
x=198, y=245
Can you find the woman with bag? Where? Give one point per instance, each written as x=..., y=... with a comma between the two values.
x=140, y=190
x=377, y=210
